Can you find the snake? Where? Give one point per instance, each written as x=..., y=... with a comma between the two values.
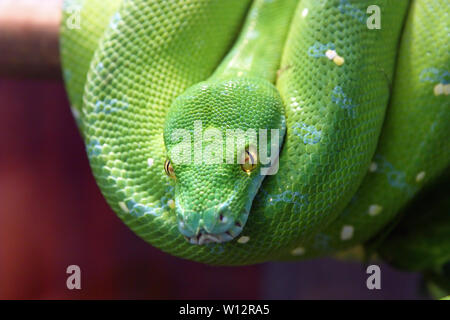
x=238, y=132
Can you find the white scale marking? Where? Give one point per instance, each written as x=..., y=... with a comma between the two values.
x=243, y=239
x=374, y=209
x=298, y=251
x=123, y=206
x=420, y=176
x=305, y=12
x=347, y=232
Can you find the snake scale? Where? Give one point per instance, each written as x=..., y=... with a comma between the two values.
x=361, y=114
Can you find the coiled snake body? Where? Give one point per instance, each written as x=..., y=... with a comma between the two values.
x=362, y=116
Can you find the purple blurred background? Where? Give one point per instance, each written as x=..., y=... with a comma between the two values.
x=52, y=215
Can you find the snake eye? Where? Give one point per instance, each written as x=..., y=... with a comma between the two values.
x=169, y=169
x=250, y=160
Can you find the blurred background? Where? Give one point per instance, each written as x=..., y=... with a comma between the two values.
x=53, y=215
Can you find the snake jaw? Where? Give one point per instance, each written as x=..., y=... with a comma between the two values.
x=205, y=238
x=228, y=230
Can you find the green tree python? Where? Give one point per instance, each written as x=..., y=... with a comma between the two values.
x=353, y=121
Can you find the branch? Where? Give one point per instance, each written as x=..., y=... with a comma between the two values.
x=29, y=38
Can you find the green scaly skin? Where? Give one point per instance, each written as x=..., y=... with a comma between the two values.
x=160, y=66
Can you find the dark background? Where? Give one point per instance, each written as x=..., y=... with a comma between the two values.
x=52, y=215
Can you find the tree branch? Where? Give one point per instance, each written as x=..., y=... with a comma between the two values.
x=29, y=38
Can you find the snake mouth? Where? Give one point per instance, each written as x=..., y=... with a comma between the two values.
x=203, y=238
x=217, y=224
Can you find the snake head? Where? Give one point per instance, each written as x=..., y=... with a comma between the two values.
x=222, y=138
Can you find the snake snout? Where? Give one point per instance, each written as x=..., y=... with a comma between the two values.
x=213, y=225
